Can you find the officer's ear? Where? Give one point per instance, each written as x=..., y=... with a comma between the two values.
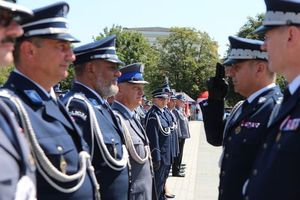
x=28, y=49
x=293, y=36
x=261, y=68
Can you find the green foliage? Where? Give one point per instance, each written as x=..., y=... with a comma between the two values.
x=4, y=73
x=187, y=57
x=67, y=82
x=246, y=31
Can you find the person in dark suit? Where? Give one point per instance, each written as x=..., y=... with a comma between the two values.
x=96, y=74
x=275, y=174
x=183, y=134
x=131, y=89
x=42, y=56
x=245, y=128
x=17, y=174
x=159, y=134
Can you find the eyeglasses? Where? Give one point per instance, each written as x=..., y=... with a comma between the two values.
x=6, y=17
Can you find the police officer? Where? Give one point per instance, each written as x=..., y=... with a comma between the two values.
x=96, y=74
x=276, y=175
x=183, y=134
x=17, y=178
x=131, y=89
x=159, y=134
x=42, y=57
x=141, y=111
x=245, y=128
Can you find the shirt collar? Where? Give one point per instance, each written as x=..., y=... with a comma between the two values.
x=258, y=92
x=293, y=86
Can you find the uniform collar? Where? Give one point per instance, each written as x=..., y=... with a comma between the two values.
x=293, y=86
x=129, y=112
x=35, y=83
x=259, y=92
x=92, y=91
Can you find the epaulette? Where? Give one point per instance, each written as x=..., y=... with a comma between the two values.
x=34, y=97
x=278, y=97
x=94, y=102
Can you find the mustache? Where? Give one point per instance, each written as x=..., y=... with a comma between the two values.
x=8, y=40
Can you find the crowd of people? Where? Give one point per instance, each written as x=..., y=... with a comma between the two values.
x=104, y=140
x=98, y=141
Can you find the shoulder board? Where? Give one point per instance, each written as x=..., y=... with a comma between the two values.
x=94, y=102
x=34, y=97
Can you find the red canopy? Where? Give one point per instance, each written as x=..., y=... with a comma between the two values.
x=203, y=95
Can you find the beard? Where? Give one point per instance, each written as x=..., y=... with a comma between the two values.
x=107, y=91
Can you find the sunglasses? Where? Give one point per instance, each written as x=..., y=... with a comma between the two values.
x=6, y=17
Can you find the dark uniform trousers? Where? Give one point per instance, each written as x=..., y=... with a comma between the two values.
x=276, y=173
x=141, y=175
x=15, y=160
x=114, y=184
x=56, y=133
x=244, y=133
x=159, y=145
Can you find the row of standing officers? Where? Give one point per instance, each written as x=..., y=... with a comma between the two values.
x=79, y=147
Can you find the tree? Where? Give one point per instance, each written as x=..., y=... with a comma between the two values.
x=187, y=57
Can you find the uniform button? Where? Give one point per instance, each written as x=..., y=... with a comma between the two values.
x=229, y=138
x=226, y=155
x=59, y=148
x=246, y=197
x=254, y=172
x=278, y=146
x=244, y=140
x=223, y=173
x=221, y=191
x=265, y=145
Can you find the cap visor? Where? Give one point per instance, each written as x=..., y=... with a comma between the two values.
x=263, y=29
x=114, y=61
x=229, y=62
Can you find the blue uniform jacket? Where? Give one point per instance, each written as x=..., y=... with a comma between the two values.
x=141, y=177
x=56, y=133
x=276, y=173
x=159, y=142
x=245, y=132
x=113, y=184
x=15, y=160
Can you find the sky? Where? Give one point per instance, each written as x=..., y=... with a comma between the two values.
x=88, y=18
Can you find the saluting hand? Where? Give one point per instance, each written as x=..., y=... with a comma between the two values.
x=217, y=86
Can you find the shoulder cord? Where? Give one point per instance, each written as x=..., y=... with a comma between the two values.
x=130, y=145
x=117, y=165
x=44, y=165
x=174, y=123
x=165, y=133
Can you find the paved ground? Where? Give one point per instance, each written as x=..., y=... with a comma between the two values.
x=201, y=180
